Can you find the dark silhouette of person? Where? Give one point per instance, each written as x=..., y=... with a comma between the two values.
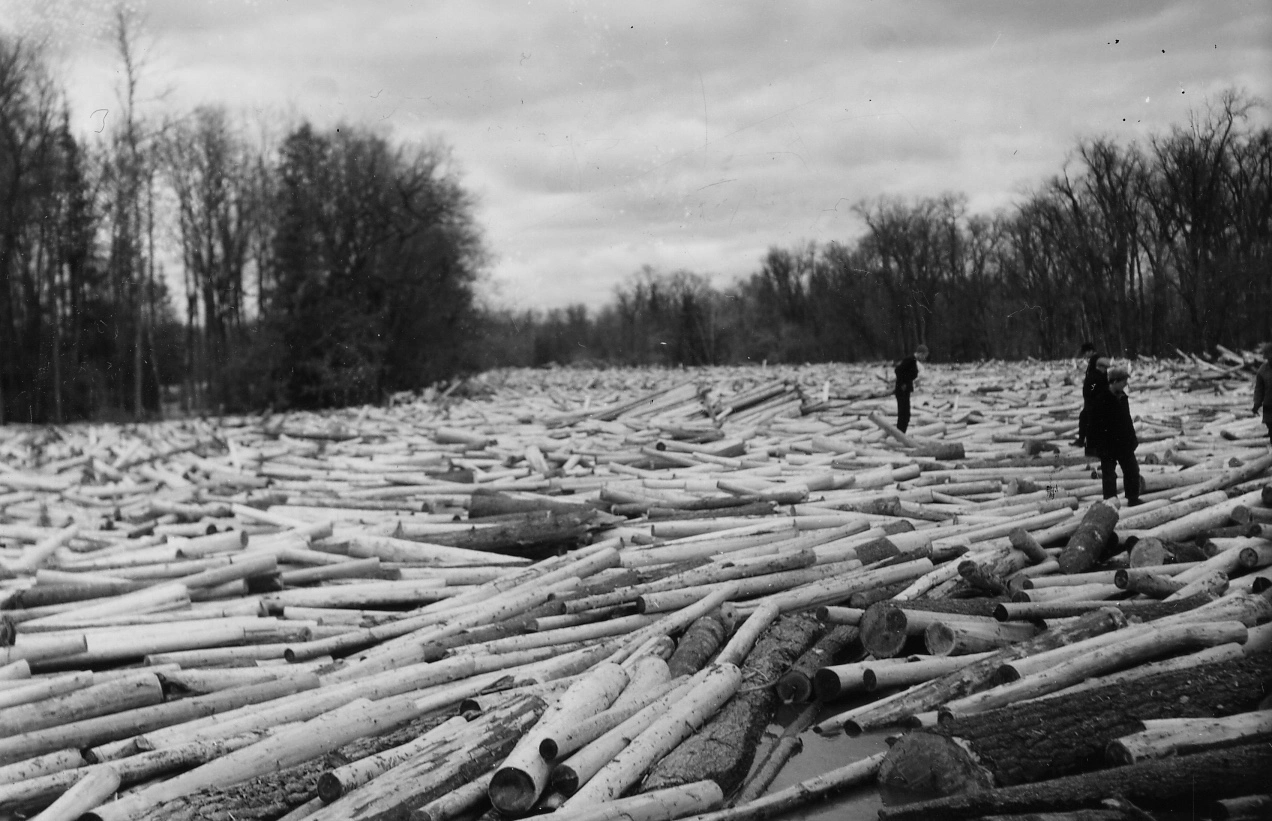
x=1112, y=432
x=907, y=370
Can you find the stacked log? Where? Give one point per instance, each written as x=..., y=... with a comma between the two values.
x=210, y=607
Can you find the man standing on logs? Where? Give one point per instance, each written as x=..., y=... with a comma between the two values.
x=1112, y=433
x=1092, y=382
x=1263, y=389
x=907, y=370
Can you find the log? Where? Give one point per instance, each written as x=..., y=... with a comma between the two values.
x=1088, y=544
x=802, y=794
x=795, y=686
x=574, y=771
x=88, y=792
x=724, y=749
x=1169, y=782
x=1064, y=734
x=1138, y=645
x=1243, y=808
x=926, y=696
x=1162, y=737
x=957, y=638
x=685, y=717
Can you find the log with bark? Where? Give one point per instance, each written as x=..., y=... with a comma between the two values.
x=723, y=750
x=1065, y=734
x=1166, y=783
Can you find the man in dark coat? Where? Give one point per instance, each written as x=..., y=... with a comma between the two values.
x=1112, y=432
x=1263, y=389
x=1092, y=382
x=907, y=370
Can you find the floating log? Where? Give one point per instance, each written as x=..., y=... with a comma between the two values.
x=724, y=749
x=1171, y=736
x=1088, y=544
x=1064, y=734
x=1201, y=777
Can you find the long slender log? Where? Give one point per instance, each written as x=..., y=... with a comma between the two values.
x=927, y=696
x=1138, y=646
x=583, y=764
x=724, y=749
x=658, y=739
x=801, y=794
x=1064, y=734
x=1170, y=736
x=523, y=776
x=666, y=803
x=1168, y=782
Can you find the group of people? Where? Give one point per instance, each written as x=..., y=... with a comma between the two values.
x=1106, y=429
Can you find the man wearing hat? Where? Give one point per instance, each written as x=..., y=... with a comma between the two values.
x=1112, y=432
x=907, y=370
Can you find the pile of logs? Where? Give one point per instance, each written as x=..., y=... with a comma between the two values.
x=591, y=593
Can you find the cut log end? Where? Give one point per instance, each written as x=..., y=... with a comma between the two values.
x=512, y=790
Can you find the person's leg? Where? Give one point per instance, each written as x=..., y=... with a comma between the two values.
x=903, y=411
x=1108, y=475
x=1130, y=476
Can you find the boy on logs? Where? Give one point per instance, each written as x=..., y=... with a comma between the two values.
x=1091, y=381
x=1263, y=389
x=1112, y=432
x=907, y=370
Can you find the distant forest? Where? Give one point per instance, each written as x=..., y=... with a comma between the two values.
x=328, y=267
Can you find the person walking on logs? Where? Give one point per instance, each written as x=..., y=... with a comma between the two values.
x=1263, y=389
x=1091, y=380
x=1112, y=432
x=907, y=370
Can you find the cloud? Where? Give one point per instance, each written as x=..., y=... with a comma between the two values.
x=602, y=136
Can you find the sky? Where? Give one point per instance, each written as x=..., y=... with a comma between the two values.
x=600, y=137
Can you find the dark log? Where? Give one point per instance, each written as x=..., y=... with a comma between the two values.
x=1151, y=551
x=1171, y=782
x=796, y=685
x=1088, y=544
x=270, y=796
x=1066, y=734
x=543, y=528
x=877, y=550
x=865, y=598
x=486, y=502
x=46, y=594
x=884, y=631
x=885, y=627
x=748, y=509
x=1245, y=808
x=979, y=674
x=696, y=647
x=1142, y=610
x=1113, y=810
x=724, y=748
x=982, y=578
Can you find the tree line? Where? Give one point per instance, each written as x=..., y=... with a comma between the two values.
x=325, y=267
x=330, y=267
x=1143, y=249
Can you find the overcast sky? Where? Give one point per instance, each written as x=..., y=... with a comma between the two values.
x=602, y=136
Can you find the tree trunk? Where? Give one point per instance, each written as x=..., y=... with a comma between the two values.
x=1086, y=546
x=1172, y=782
x=1066, y=734
x=796, y=685
x=724, y=749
